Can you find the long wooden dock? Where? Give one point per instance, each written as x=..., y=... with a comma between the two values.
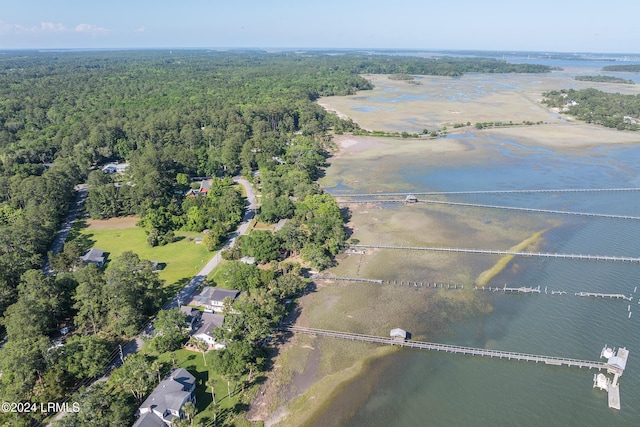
x=479, y=205
x=508, y=355
x=520, y=191
x=505, y=289
x=347, y=279
x=499, y=252
x=600, y=295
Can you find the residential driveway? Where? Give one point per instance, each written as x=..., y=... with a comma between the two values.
x=61, y=236
x=185, y=293
x=249, y=214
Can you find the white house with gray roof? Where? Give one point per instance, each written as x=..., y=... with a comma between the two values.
x=208, y=323
x=164, y=404
x=212, y=299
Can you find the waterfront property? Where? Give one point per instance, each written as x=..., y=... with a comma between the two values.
x=165, y=403
x=207, y=324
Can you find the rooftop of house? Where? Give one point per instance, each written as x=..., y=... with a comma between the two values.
x=192, y=313
x=170, y=394
x=93, y=255
x=209, y=322
x=149, y=419
x=210, y=293
x=115, y=167
x=189, y=311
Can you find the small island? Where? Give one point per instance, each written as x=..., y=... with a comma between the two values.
x=630, y=68
x=604, y=79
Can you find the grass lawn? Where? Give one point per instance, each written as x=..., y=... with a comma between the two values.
x=241, y=189
x=183, y=258
x=228, y=407
x=218, y=274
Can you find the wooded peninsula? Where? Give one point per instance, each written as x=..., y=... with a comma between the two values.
x=612, y=110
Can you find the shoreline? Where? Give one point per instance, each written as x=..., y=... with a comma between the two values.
x=307, y=406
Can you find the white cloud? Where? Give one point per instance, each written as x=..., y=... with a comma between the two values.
x=44, y=27
x=50, y=26
x=140, y=30
x=92, y=29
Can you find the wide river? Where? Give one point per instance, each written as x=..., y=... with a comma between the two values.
x=417, y=387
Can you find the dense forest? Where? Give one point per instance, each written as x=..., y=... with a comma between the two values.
x=171, y=116
x=604, y=79
x=612, y=110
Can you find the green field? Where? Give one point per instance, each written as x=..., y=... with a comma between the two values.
x=183, y=258
x=227, y=406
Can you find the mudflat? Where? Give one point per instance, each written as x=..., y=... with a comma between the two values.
x=439, y=102
x=313, y=372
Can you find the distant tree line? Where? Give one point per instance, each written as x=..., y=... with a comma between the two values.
x=438, y=66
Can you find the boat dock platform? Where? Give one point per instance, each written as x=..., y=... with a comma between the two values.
x=616, y=363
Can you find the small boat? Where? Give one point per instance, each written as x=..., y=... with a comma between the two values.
x=601, y=381
x=607, y=352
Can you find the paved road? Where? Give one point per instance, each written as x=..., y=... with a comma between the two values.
x=61, y=236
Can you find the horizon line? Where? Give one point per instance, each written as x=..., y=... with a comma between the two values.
x=294, y=48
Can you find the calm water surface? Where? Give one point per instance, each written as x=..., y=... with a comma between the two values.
x=415, y=387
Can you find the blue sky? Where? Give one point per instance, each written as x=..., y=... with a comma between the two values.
x=541, y=25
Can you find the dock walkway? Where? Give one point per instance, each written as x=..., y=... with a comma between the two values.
x=597, y=294
x=499, y=252
x=509, y=355
x=347, y=279
x=522, y=191
x=505, y=288
x=479, y=205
